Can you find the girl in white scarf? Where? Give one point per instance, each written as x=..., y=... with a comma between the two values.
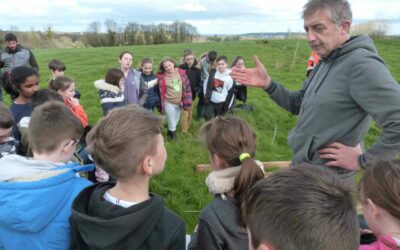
x=231, y=144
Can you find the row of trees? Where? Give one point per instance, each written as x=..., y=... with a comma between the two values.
x=135, y=33
x=375, y=29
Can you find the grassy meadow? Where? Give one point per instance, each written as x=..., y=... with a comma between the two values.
x=183, y=189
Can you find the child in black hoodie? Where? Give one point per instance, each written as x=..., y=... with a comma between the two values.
x=194, y=75
x=128, y=145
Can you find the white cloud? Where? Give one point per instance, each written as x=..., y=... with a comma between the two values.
x=192, y=7
x=21, y=8
x=87, y=11
x=375, y=9
x=209, y=16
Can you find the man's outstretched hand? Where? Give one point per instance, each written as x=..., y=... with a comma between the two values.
x=255, y=77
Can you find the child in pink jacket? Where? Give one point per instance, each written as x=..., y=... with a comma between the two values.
x=380, y=200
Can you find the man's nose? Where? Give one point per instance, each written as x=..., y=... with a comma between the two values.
x=311, y=36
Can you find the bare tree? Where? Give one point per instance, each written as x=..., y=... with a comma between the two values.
x=94, y=27
x=191, y=32
x=93, y=37
x=174, y=30
x=147, y=33
x=375, y=28
x=49, y=32
x=132, y=33
x=111, y=27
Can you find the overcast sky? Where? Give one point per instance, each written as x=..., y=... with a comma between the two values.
x=209, y=17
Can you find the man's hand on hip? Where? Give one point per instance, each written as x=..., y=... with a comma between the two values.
x=342, y=156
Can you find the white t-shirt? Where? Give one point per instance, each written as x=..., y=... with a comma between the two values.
x=108, y=197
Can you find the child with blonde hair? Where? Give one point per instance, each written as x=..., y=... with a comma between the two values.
x=175, y=92
x=380, y=200
x=231, y=144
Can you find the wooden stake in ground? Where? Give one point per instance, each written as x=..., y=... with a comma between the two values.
x=295, y=54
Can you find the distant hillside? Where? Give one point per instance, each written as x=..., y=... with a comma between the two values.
x=273, y=34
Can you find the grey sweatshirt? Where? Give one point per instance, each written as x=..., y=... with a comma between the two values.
x=338, y=102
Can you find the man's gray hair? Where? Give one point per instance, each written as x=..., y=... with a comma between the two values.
x=339, y=10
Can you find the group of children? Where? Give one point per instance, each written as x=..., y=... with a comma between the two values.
x=46, y=204
x=173, y=89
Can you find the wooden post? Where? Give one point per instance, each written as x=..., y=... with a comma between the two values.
x=267, y=164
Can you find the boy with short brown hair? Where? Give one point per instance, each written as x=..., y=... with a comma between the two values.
x=302, y=208
x=128, y=145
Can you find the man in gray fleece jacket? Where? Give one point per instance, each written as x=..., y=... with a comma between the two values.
x=349, y=87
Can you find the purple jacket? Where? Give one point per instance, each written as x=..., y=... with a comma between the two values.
x=135, y=88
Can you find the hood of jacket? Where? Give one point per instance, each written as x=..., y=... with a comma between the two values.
x=102, y=224
x=103, y=85
x=355, y=42
x=29, y=206
x=14, y=168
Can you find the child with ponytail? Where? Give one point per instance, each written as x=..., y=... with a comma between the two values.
x=231, y=144
x=380, y=200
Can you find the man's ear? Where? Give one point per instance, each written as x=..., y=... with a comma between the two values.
x=345, y=27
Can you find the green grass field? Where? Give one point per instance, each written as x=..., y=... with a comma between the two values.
x=184, y=190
